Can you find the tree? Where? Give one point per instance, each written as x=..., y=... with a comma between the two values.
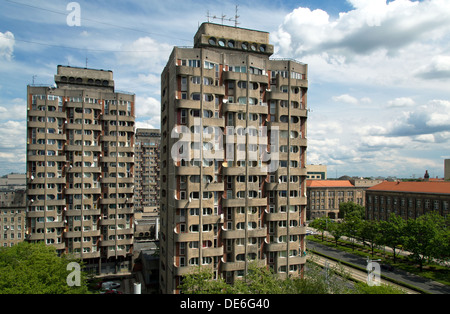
x=336, y=229
x=262, y=280
x=424, y=237
x=352, y=223
x=351, y=208
x=392, y=232
x=28, y=268
x=201, y=281
x=321, y=224
x=369, y=230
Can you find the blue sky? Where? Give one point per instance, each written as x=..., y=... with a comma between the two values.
x=379, y=70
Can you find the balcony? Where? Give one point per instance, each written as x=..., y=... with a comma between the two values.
x=187, y=104
x=232, y=234
x=212, y=251
x=275, y=216
x=233, y=107
x=232, y=266
x=188, y=71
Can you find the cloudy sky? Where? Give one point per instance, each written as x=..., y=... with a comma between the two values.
x=379, y=71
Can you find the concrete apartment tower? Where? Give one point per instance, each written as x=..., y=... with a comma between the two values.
x=233, y=158
x=447, y=169
x=146, y=189
x=80, y=168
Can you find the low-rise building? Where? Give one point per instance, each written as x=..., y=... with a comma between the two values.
x=324, y=196
x=407, y=199
x=13, y=181
x=316, y=172
x=12, y=217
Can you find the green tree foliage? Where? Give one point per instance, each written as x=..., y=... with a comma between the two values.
x=28, y=268
x=336, y=229
x=261, y=280
x=425, y=236
x=352, y=225
x=370, y=231
x=392, y=233
x=321, y=224
x=351, y=208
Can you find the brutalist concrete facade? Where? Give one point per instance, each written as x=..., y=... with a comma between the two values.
x=233, y=158
x=80, y=168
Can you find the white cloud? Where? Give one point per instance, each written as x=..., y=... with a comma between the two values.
x=147, y=107
x=351, y=100
x=145, y=53
x=378, y=43
x=7, y=42
x=433, y=117
x=12, y=142
x=346, y=99
x=14, y=109
x=372, y=25
x=438, y=68
x=401, y=102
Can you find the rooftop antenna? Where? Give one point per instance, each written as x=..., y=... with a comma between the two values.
x=236, y=16
x=34, y=76
x=86, y=62
x=223, y=17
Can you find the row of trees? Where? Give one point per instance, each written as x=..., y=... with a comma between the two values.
x=426, y=238
x=262, y=280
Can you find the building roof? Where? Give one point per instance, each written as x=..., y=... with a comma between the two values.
x=328, y=183
x=436, y=187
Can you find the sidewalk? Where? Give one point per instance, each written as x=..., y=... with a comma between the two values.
x=396, y=274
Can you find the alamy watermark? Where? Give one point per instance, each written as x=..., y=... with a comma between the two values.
x=373, y=273
x=242, y=144
x=74, y=17
x=74, y=278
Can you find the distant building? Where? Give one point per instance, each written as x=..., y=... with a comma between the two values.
x=15, y=181
x=146, y=224
x=147, y=163
x=316, y=172
x=12, y=217
x=324, y=196
x=407, y=199
x=447, y=170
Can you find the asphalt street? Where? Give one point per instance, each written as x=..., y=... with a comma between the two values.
x=396, y=274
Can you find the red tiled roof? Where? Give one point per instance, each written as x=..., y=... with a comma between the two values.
x=439, y=187
x=328, y=183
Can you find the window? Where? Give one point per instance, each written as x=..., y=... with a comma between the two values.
x=209, y=65
x=194, y=63
x=194, y=228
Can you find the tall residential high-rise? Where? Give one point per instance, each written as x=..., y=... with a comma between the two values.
x=80, y=168
x=146, y=189
x=447, y=169
x=233, y=158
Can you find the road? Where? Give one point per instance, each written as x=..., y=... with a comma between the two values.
x=397, y=275
x=354, y=273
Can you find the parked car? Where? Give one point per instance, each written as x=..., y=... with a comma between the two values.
x=108, y=285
